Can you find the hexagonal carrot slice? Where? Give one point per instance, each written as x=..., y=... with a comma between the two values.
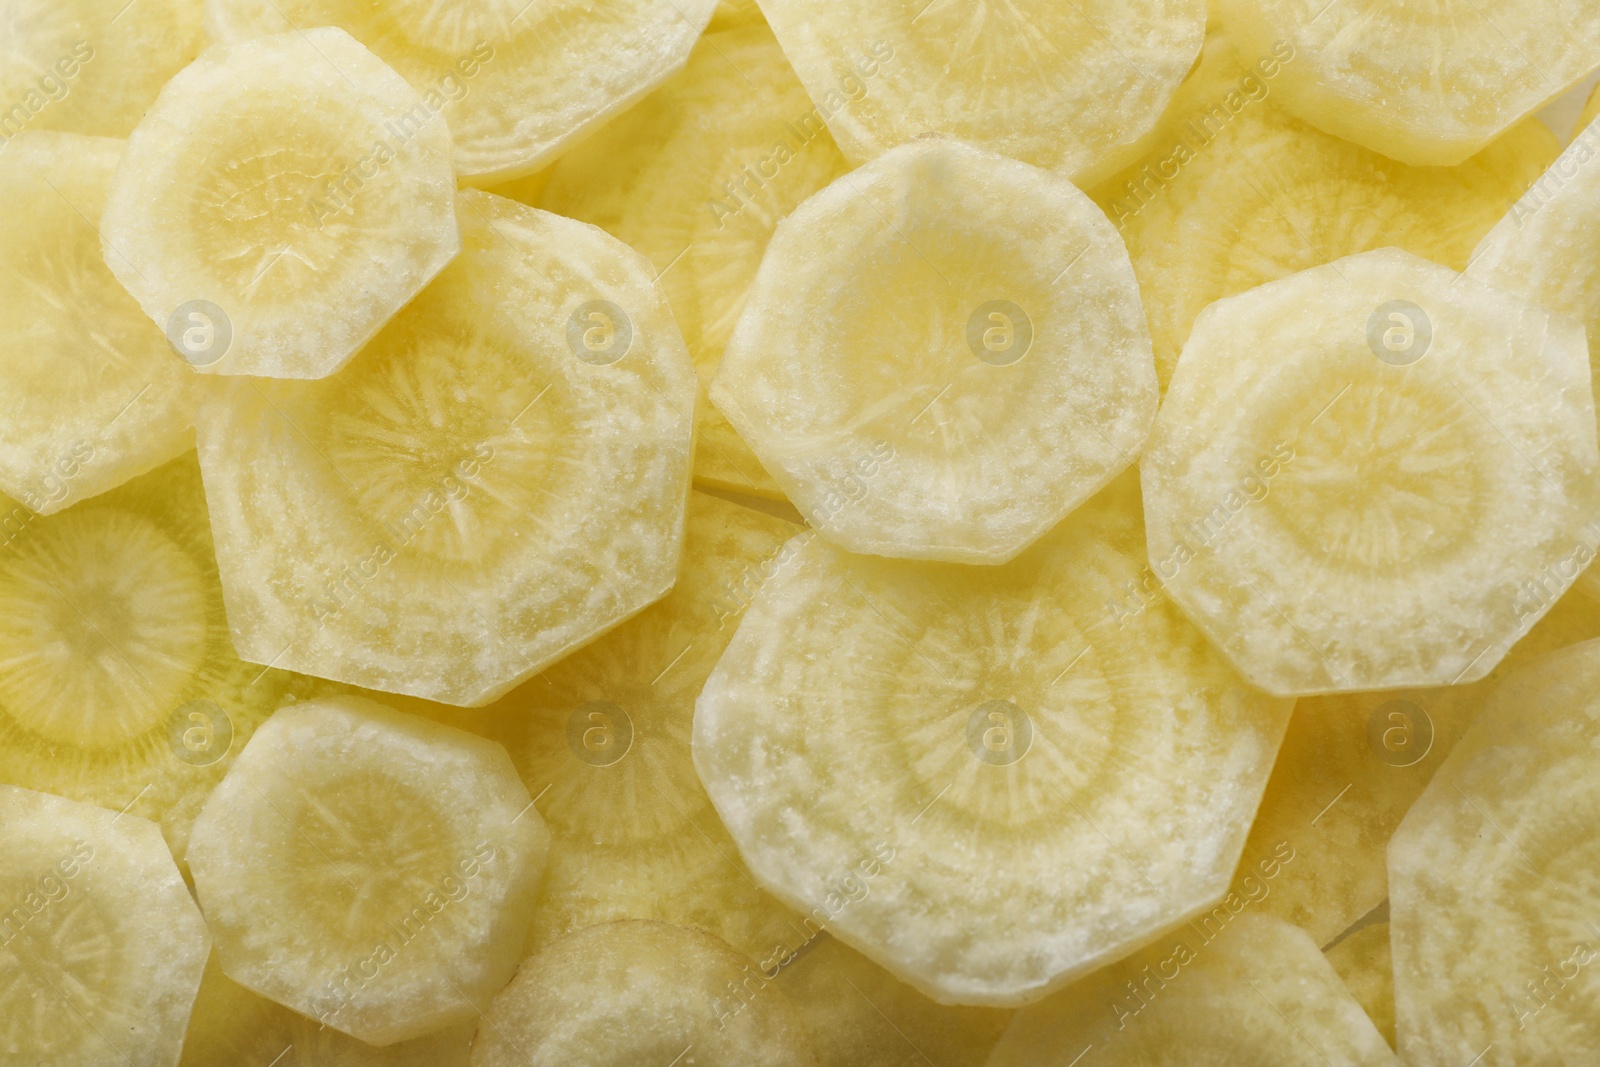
x=280, y=201
x=497, y=479
x=372, y=870
x=1359, y=468
x=988, y=781
x=942, y=355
